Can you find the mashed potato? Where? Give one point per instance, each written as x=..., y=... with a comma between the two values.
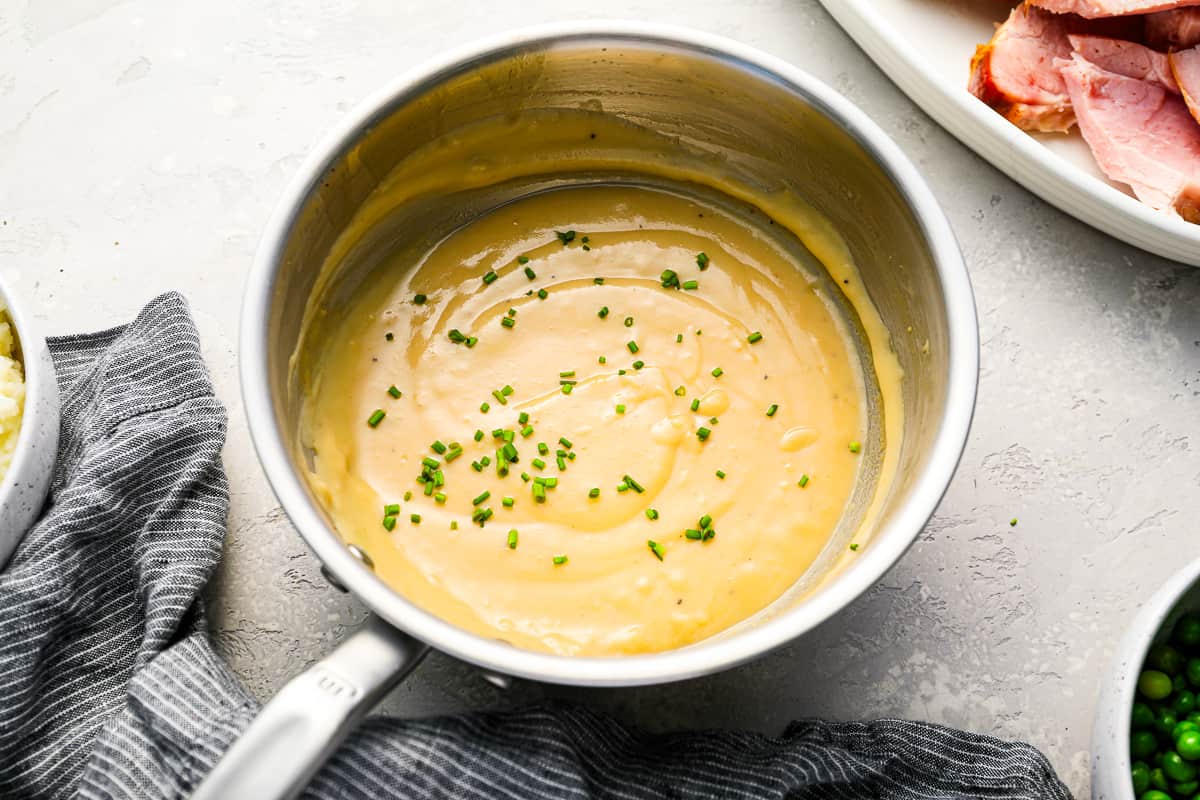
x=12, y=393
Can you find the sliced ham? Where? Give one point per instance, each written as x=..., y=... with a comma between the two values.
x=1185, y=66
x=1126, y=58
x=1094, y=9
x=1173, y=30
x=1014, y=73
x=1140, y=133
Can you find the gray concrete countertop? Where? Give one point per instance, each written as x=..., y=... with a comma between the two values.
x=143, y=144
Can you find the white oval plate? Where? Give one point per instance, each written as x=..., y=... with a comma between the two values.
x=925, y=46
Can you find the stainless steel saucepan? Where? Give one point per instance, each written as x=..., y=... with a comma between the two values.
x=710, y=94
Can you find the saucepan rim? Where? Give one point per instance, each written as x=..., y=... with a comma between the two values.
x=889, y=542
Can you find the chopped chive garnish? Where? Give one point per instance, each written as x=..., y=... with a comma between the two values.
x=705, y=522
x=394, y=392
x=678, y=338
x=499, y=397
x=431, y=463
x=490, y=277
x=622, y=487
x=376, y=418
x=718, y=372
x=566, y=237
x=803, y=481
x=598, y=281
x=632, y=345
x=475, y=465
x=415, y=519
x=525, y=477
x=438, y=447
x=453, y=525
x=562, y=463
x=512, y=539
x=407, y=496
x=484, y=407
x=702, y=261
x=539, y=492
x=512, y=312
x=567, y=382
x=585, y=240
x=543, y=448
x=721, y=474
x=620, y=372
x=680, y=391
x=429, y=489
x=695, y=404
x=543, y=294
x=669, y=278
x=651, y=513
x=538, y=463
x=713, y=420
x=568, y=374
x=629, y=322
x=560, y=560
x=771, y=409
x=567, y=388
x=855, y=446
x=478, y=435
x=703, y=433
x=565, y=442
x=471, y=340
x=603, y=312
x=455, y=452
x=594, y=492
x=389, y=522
x=656, y=548
x=1012, y=522
x=508, y=322
x=754, y=338
x=439, y=478
x=440, y=498
x=620, y=408
x=389, y=336
x=497, y=433
x=529, y=273
x=637, y=487
x=506, y=390
x=699, y=332
x=510, y=452
x=391, y=509
x=522, y=259
x=419, y=299
x=456, y=336
x=691, y=285
x=639, y=364
x=709, y=534
x=854, y=546
x=507, y=502
x=527, y=431
x=486, y=460
x=693, y=534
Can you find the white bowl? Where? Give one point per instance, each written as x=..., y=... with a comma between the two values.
x=23, y=488
x=1110, y=732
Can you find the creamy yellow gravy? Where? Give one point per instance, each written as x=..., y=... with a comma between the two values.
x=611, y=593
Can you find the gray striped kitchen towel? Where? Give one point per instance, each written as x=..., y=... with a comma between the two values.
x=110, y=688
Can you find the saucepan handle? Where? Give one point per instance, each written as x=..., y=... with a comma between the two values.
x=301, y=726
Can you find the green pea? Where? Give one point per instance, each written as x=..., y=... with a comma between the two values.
x=1143, y=744
x=1187, y=744
x=1159, y=781
x=1194, y=717
x=1185, y=702
x=1165, y=658
x=1154, y=685
x=1140, y=773
x=1154, y=794
x=1175, y=768
x=1166, y=722
x=1193, y=671
x=1185, y=788
x=1187, y=630
x=1142, y=716
x=1181, y=727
